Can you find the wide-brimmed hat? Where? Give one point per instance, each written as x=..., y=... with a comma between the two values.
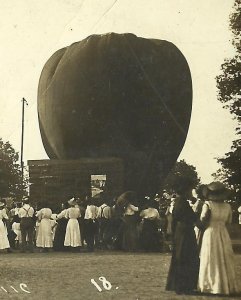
x=126, y=198
x=72, y=201
x=216, y=191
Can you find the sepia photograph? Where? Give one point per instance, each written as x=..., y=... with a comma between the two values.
x=120, y=149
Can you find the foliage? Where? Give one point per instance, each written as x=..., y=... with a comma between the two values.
x=10, y=172
x=182, y=177
x=229, y=83
x=230, y=173
x=235, y=24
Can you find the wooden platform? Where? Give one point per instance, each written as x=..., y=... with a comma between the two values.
x=56, y=181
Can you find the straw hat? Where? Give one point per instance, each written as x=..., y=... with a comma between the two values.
x=216, y=191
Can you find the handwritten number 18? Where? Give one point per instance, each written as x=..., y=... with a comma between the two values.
x=106, y=284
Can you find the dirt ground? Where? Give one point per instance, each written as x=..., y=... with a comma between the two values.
x=68, y=276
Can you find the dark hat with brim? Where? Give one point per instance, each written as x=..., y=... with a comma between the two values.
x=125, y=198
x=216, y=191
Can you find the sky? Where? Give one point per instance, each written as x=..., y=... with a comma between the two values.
x=32, y=30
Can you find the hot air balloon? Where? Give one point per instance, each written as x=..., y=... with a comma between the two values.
x=117, y=95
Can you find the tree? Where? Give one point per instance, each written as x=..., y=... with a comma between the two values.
x=229, y=83
x=230, y=172
x=182, y=176
x=11, y=184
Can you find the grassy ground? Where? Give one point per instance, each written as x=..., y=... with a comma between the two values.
x=67, y=276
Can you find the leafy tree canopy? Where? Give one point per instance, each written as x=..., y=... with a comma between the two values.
x=229, y=81
x=10, y=172
x=230, y=172
x=182, y=177
x=229, y=85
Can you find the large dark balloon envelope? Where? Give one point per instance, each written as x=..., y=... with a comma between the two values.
x=117, y=95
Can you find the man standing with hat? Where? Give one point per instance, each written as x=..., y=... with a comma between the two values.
x=26, y=213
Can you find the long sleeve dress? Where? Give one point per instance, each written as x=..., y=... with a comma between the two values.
x=72, y=235
x=149, y=237
x=217, y=272
x=44, y=237
x=130, y=231
x=4, y=243
x=184, y=267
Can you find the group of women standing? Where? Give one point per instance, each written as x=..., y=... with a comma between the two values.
x=140, y=225
x=67, y=232
x=212, y=269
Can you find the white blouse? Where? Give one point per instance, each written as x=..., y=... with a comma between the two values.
x=73, y=213
x=44, y=213
x=3, y=214
x=91, y=212
x=62, y=214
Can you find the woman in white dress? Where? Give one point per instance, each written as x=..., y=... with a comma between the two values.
x=4, y=243
x=217, y=272
x=44, y=237
x=72, y=235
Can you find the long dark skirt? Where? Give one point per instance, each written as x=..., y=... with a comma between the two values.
x=90, y=232
x=130, y=233
x=81, y=227
x=59, y=237
x=149, y=237
x=184, y=268
x=115, y=233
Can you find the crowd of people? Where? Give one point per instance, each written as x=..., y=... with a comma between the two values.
x=83, y=225
x=202, y=255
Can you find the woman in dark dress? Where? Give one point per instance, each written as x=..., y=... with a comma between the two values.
x=130, y=221
x=184, y=267
x=115, y=230
x=59, y=237
x=149, y=236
